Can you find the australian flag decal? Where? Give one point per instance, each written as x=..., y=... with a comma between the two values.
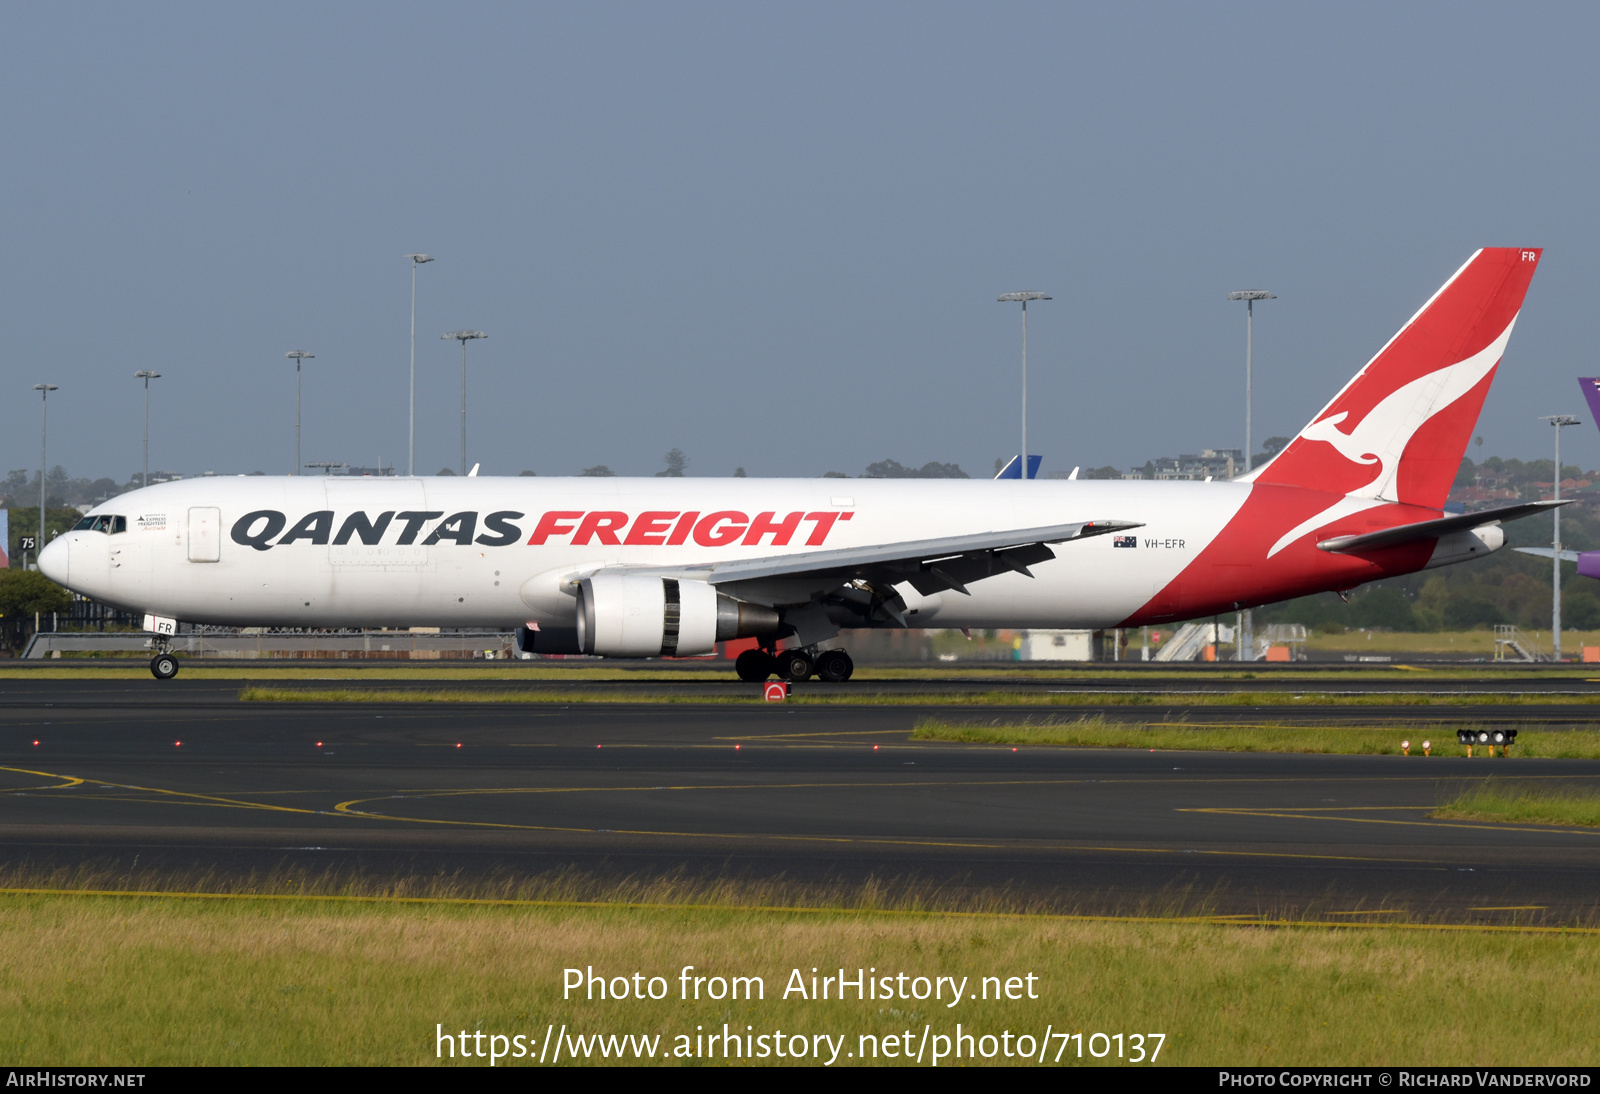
x=1125, y=541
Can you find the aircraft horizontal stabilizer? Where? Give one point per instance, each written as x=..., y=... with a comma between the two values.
x=1433, y=529
x=1547, y=552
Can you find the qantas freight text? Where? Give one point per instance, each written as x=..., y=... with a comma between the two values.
x=261, y=529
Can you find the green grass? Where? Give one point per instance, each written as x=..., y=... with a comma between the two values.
x=133, y=981
x=858, y=695
x=1097, y=731
x=1524, y=804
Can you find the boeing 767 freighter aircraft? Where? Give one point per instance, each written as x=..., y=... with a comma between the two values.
x=661, y=567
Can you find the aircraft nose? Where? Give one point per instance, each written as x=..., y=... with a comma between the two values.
x=54, y=561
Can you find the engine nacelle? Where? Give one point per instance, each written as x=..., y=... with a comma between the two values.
x=626, y=615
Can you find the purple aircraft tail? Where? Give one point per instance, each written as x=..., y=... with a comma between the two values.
x=1591, y=392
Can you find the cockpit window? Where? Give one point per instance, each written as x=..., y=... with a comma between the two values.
x=106, y=523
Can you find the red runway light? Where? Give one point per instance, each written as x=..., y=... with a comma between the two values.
x=177, y=744
x=1013, y=750
x=36, y=743
x=458, y=744
x=319, y=744
x=737, y=747
x=874, y=748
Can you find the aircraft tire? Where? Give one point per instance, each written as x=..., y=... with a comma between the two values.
x=754, y=666
x=163, y=666
x=795, y=666
x=834, y=667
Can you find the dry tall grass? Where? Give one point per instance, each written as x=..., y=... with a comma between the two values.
x=142, y=981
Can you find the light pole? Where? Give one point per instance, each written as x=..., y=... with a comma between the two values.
x=411, y=443
x=464, y=336
x=44, y=391
x=1557, y=420
x=1247, y=625
x=298, y=356
x=1249, y=296
x=146, y=375
x=1023, y=298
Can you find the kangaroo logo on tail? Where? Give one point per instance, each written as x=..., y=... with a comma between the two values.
x=1398, y=429
x=1381, y=437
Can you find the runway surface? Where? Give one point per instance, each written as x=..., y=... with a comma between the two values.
x=124, y=775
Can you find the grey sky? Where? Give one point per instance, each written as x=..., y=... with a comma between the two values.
x=769, y=235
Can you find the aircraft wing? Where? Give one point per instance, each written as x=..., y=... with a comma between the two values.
x=1433, y=529
x=930, y=565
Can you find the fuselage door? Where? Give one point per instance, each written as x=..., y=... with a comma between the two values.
x=205, y=534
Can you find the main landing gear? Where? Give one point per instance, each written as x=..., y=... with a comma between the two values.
x=796, y=665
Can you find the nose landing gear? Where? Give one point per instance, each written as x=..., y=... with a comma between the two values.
x=163, y=666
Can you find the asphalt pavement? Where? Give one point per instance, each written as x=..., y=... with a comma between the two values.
x=105, y=776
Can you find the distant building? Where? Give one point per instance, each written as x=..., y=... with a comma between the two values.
x=1209, y=463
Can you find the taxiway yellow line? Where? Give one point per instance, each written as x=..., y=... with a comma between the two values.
x=178, y=794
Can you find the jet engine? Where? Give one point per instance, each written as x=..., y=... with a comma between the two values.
x=626, y=615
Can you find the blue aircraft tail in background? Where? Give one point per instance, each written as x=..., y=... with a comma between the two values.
x=1011, y=471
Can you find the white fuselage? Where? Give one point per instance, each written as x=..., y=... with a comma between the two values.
x=190, y=554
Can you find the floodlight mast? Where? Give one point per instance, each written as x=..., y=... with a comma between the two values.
x=1249, y=296
x=1023, y=298
x=298, y=356
x=463, y=336
x=44, y=391
x=411, y=443
x=146, y=375
x=1245, y=644
x=1557, y=421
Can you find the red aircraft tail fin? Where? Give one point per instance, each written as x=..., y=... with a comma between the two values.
x=1398, y=430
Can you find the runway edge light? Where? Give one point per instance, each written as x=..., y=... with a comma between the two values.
x=1490, y=738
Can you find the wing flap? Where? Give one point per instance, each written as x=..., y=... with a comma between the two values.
x=930, y=565
x=962, y=558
